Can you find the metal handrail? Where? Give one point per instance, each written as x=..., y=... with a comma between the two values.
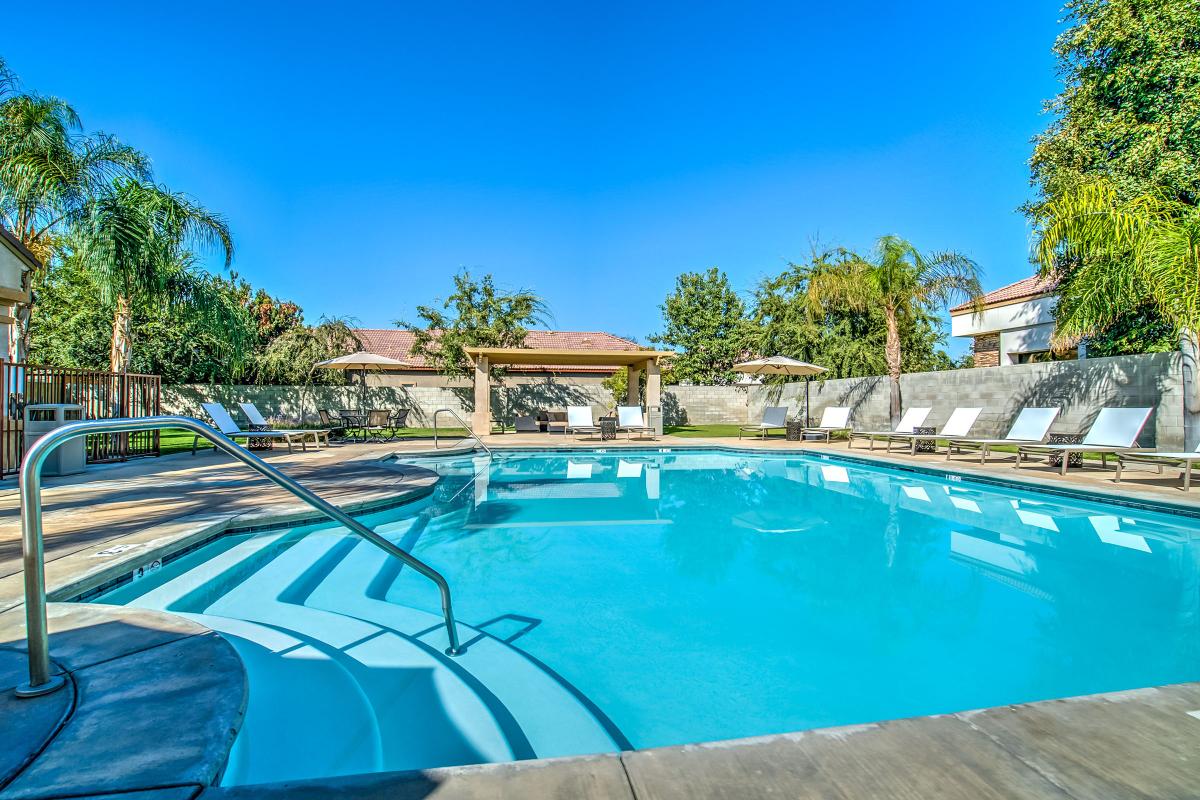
x=462, y=422
x=40, y=680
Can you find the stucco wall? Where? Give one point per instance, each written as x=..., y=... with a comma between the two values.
x=1038, y=311
x=11, y=268
x=1080, y=387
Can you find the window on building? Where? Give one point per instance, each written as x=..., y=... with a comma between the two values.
x=1043, y=356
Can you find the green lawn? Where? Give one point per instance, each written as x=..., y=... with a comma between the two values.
x=713, y=431
x=180, y=441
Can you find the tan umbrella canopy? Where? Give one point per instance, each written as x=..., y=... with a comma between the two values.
x=781, y=365
x=361, y=361
x=778, y=365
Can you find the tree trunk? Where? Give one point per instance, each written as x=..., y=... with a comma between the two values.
x=119, y=352
x=892, y=351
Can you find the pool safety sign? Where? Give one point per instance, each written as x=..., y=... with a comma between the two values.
x=147, y=569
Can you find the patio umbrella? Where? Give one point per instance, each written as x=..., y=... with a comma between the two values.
x=361, y=361
x=781, y=365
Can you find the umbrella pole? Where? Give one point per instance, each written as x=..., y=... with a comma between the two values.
x=806, y=382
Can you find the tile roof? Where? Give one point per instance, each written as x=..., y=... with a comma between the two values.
x=1034, y=286
x=398, y=344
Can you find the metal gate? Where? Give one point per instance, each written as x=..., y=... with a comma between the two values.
x=103, y=395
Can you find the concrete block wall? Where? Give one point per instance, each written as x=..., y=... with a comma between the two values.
x=299, y=404
x=703, y=405
x=1081, y=388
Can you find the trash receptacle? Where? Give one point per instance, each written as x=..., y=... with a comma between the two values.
x=655, y=420
x=69, y=457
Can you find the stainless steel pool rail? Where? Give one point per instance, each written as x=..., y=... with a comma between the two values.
x=41, y=681
x=471, y=433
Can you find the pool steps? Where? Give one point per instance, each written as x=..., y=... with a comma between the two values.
x=360, y=684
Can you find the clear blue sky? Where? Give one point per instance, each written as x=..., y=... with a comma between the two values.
x=591, y=152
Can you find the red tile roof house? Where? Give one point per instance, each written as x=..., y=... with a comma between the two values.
x=1015, y=326
x=397, y=344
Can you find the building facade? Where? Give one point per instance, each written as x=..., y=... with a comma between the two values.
x=1015, y=325
x=15, y=259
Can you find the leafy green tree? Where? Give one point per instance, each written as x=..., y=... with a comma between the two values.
x=291, y=358
x=706, y=321
x=135, y=242
x=899, y=281
x=1130, y=104
x=74, y=329
x=49, y=172
x=476, y=314
x=1127, y=114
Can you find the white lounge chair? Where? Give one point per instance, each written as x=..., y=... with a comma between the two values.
x=630, y=420
x=773, y=418
x=256, y=418
x=579, y=420
x=1031, y=427
x=834, y=419
x=225, y=424
x=911, y=419
x=1115, y=431
x=959, y=424
x=1181, y=459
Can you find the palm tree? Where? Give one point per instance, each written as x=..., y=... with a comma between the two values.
x=49, y=171
x=1123, y=256
x=898, y=280
x=135, y=240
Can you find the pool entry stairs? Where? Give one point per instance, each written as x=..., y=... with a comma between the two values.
x=359, y=682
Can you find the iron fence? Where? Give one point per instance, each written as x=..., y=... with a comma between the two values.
x=103, y=395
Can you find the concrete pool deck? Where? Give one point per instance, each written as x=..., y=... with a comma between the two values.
x=1141, y=743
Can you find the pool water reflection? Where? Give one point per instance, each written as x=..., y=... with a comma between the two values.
x=708, y=596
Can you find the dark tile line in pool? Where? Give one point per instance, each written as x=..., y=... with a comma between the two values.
x=1022, y=484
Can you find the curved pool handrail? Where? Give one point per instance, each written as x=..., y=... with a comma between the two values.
x=41, y=681
x=468, y=428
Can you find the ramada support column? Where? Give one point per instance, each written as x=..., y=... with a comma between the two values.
x=633, y=394
x=653, y=386
x=481, y=417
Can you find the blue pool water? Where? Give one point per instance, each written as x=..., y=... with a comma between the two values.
x=639, y=599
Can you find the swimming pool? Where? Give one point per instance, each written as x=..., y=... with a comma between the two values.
x=645, y=598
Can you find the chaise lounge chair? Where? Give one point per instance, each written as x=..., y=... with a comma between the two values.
x=773, y=418
x=1182, y=459
x=258, y=420
x=225, y=424
x=1114, y=432
x=579, y=420
x=1031, y=427
x=959, y=424
x=834, y=419
x=911, y=419
x=630, y=420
